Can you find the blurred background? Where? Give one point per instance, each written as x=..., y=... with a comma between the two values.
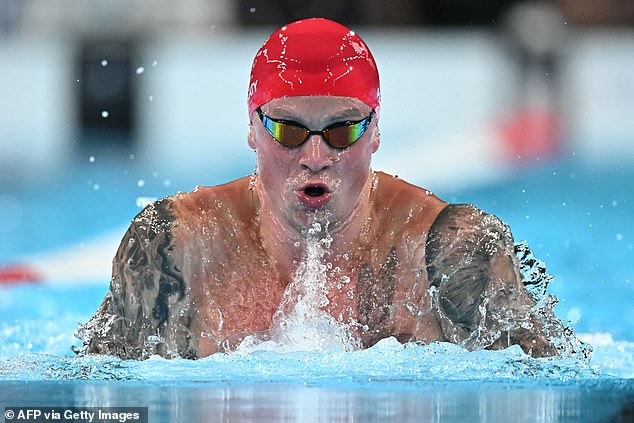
x=525, y=108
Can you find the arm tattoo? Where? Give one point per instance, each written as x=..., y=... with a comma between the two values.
x=171, y=281
x=457, y=266
x=147, y=309
x=472, y=266
x=481, y=298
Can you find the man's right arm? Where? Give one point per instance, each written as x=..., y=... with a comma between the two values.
x=147, y=310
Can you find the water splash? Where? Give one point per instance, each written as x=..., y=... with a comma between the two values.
x=536, y=280
x=385, y=363
x=533, y=271
x=300, y=323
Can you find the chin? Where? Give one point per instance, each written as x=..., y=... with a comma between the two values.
x=305, y=218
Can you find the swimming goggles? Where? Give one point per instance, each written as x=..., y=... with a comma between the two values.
x=292, y=134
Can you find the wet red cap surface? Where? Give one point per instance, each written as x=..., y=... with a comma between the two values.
x=314, y=57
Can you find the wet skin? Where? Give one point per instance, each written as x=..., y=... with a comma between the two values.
x=384, y=265
x=205, y=269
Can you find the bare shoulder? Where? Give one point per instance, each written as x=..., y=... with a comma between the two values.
x=459, y=226
x=416, y=206
x=148, y=309
x=234, y=198
x=460, y=246
x=477, y=285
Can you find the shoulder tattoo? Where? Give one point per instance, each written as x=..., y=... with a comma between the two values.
x=460, y=246
x=148, y=292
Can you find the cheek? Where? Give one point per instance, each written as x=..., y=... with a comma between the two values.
x=274, y=167
x=355, y=166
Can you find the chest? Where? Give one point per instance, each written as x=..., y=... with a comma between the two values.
x=376, y=293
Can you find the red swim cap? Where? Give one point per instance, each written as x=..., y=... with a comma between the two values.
x=314, y=57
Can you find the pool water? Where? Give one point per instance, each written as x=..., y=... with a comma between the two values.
x=577, y=219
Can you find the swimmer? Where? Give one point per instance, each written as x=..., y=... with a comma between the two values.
x=198, y=272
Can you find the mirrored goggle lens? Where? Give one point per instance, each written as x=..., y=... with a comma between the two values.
x=288, y=135
x=338, y=136
x=344, y=136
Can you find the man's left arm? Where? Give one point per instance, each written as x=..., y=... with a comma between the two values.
x=477, y=287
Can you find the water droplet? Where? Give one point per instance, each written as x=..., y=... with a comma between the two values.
x=574, y=315
x=140, y=70
x=104, y=63
x=91, y=159
x=615, y=203
x=154, y=340
x=140, y=183
x=131, y=156
x=619, y=237
x=150, y=98
x=142, y=202
x=104, y=114
x=167, y=183
x=95, y=187
x=252, y=10
x=154, y=63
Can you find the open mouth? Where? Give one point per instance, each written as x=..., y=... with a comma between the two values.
x=314, y=195
x=314, y=191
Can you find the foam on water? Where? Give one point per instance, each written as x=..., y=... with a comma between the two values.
x=387, y=361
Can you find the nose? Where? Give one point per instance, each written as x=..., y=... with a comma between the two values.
x=316, y=155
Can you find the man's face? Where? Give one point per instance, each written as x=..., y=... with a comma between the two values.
x=313, y=182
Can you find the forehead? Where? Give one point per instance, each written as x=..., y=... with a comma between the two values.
x=323, y=105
